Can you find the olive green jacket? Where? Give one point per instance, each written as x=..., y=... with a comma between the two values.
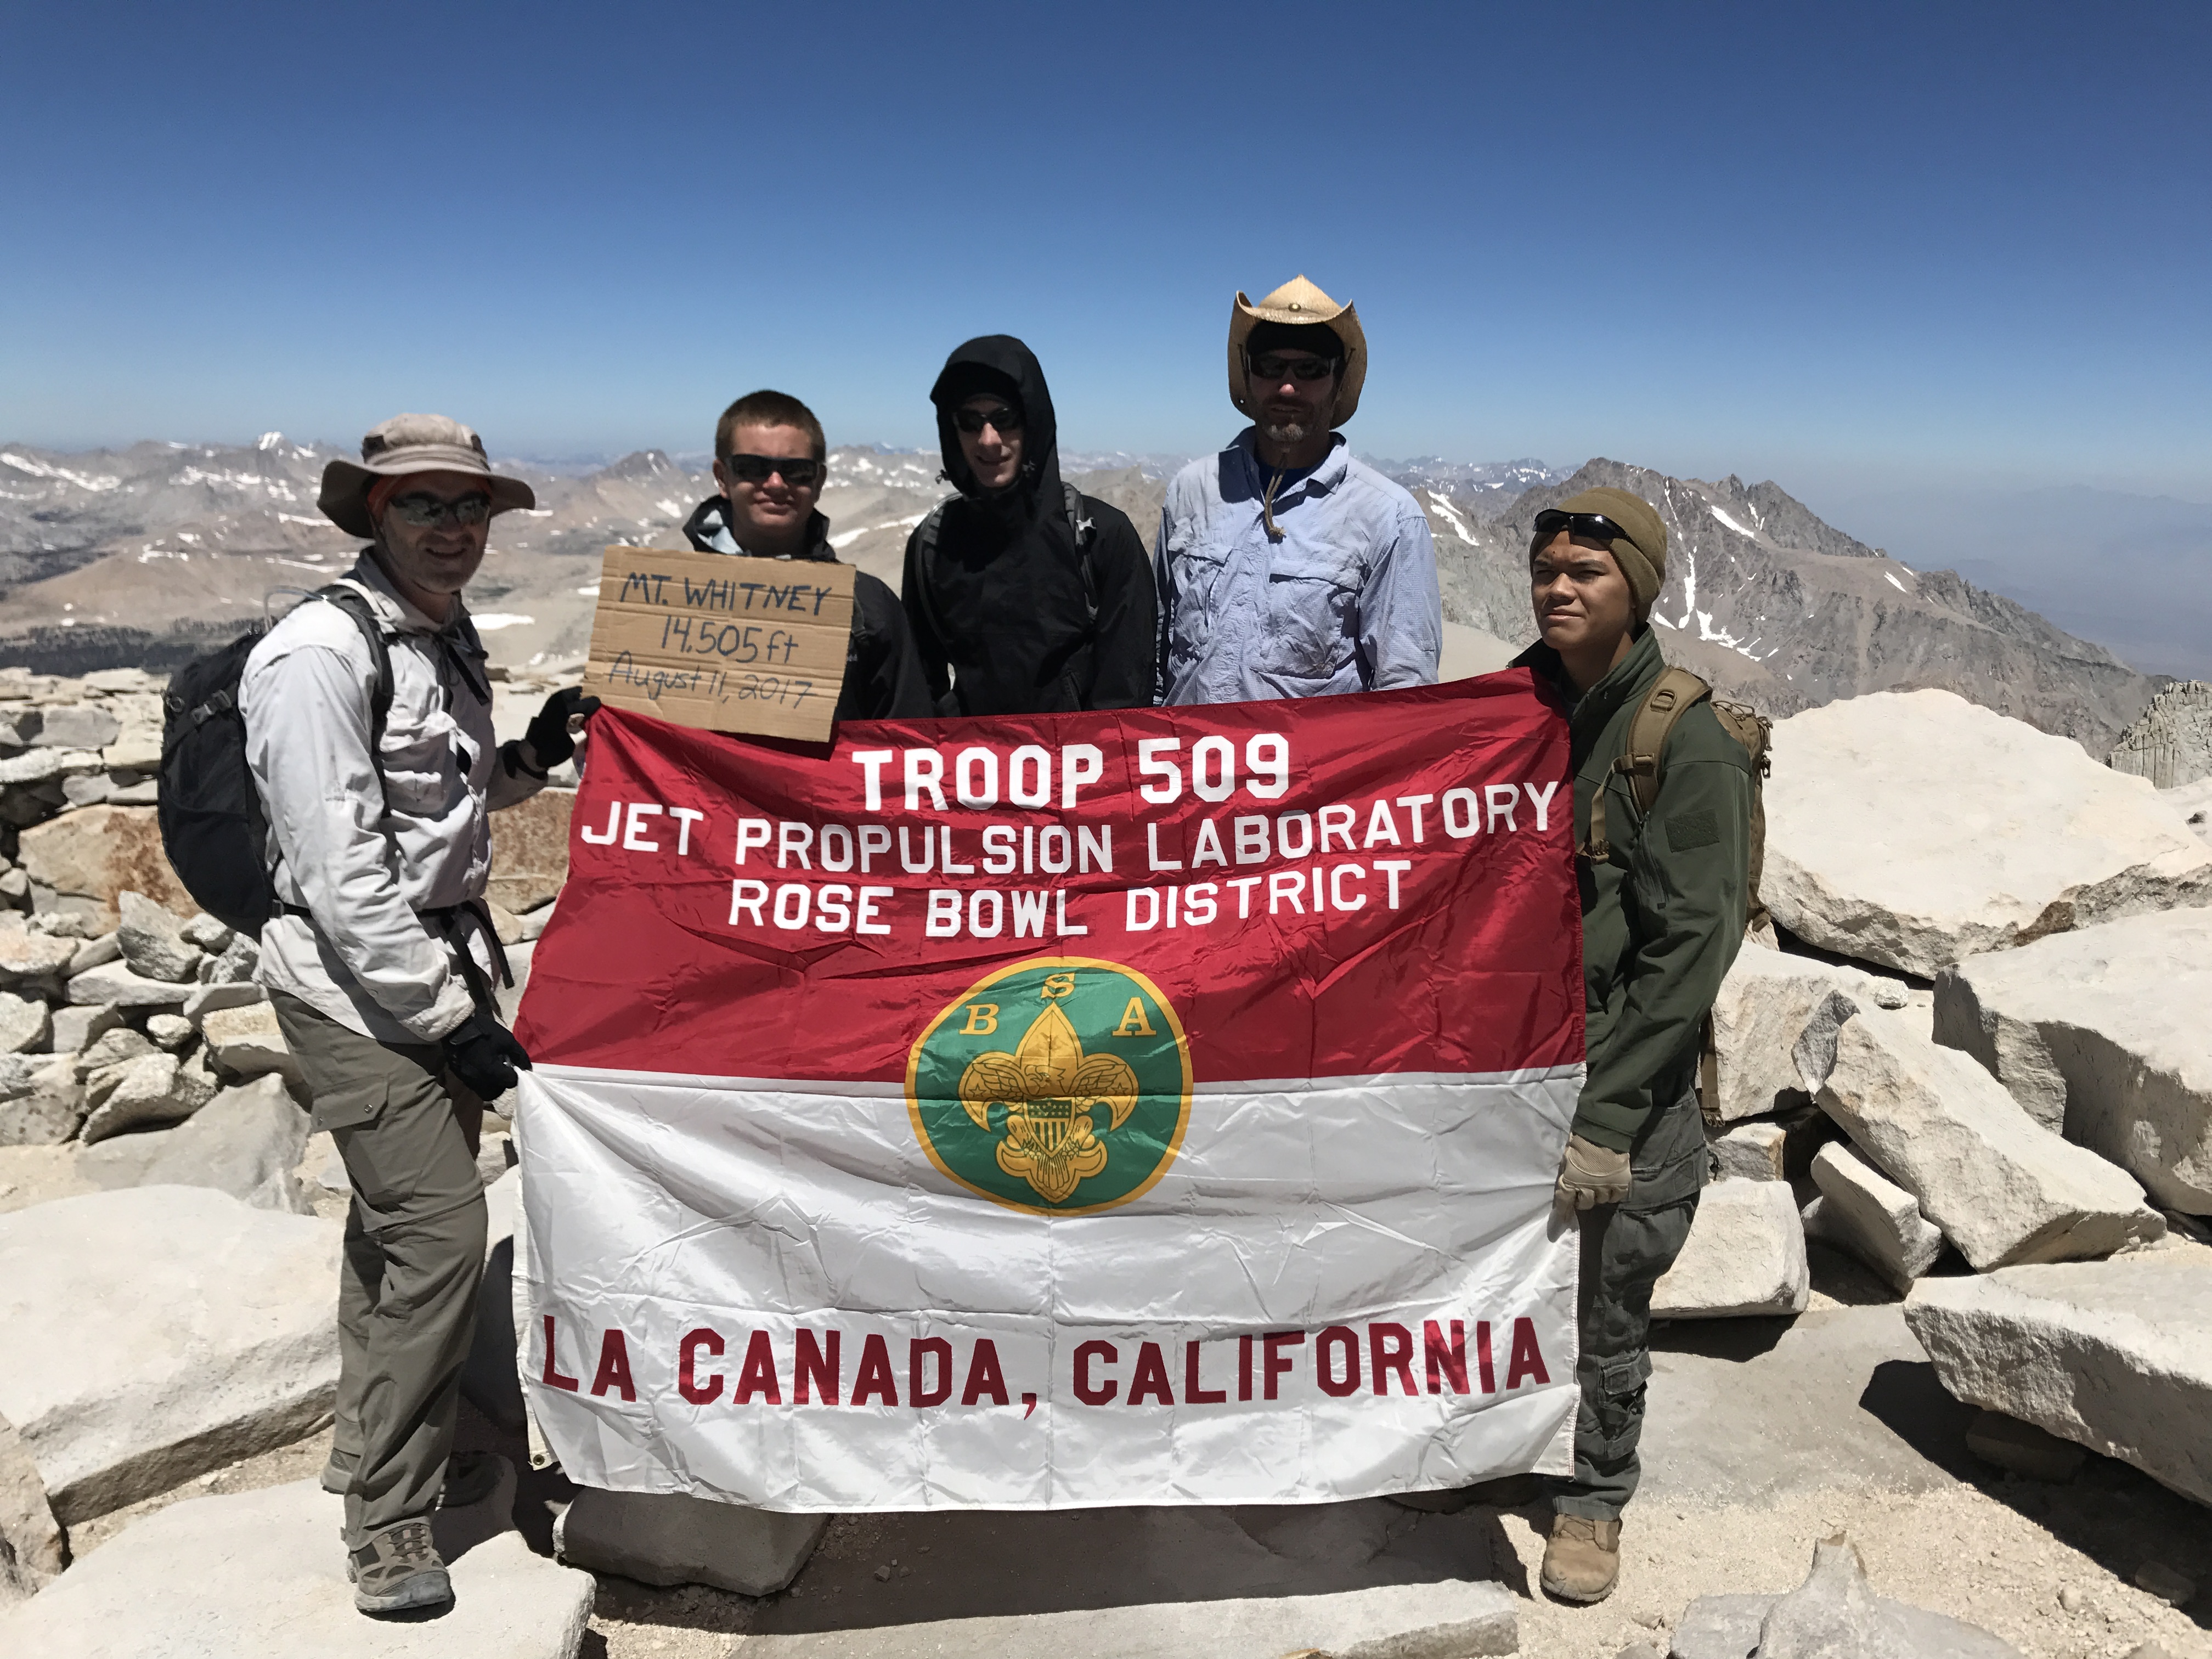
x=1663, y=914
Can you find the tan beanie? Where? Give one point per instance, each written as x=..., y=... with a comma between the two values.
x=1643, y=556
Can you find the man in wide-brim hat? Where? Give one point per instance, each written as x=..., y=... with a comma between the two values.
x=1286, y=568
x=368, y=731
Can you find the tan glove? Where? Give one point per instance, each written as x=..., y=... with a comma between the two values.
x=1590, y=1175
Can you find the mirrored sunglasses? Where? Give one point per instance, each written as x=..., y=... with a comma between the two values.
x=1004, y=418
x=1273, y=367
x=427, y=512
x=800, y=472
x=1595, y=526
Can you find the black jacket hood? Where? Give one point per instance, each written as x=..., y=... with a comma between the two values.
x=1002, y=364
x=708, y=530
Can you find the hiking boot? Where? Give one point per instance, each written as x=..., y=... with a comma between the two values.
x=396, y=1568
x=470, y=1478
x=1582, y=1562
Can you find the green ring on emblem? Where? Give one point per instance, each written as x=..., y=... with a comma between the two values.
x=1060, y=1086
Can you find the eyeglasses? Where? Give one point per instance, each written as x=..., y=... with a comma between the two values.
x=1004, y=418
x=800, y=472
x=1595, y=526
x=1278, y=368
x=426, y=512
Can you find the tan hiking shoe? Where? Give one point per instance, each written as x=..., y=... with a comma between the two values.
x=396, y=1568
x=1582, y=1562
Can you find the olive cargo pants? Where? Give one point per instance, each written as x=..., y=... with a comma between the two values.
x=414, y=1255
x=1626, y=1249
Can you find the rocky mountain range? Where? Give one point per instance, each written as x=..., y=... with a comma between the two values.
x=146, y=556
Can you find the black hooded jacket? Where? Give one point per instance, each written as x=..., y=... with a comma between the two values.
x=1002, y=615
x=882, y=675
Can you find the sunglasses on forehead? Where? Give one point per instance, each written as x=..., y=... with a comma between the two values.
x=426, y=512
x=1595, y=526
x=800, y=472
x=1270, y=367
x=1004, y=418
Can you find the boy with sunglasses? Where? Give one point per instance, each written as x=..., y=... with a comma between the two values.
x=1665, y=895
x=1285, y=569
x=377, y=767
x=1025, y=597
x=771, y=459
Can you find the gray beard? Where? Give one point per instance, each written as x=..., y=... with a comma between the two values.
x=1287, y=434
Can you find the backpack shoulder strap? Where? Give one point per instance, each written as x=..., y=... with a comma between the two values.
x=1642, y=757
x=1086, y=538
x=349, y=600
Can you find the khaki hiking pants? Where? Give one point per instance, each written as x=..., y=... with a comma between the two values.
x=1625, y=1248
x=414, y=1255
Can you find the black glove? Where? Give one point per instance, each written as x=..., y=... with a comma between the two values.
x=547, y=736
x=484, y=1054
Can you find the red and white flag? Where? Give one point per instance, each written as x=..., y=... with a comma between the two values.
x=1159, y=1106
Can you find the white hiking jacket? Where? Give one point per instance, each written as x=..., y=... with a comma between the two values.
x=366, y=856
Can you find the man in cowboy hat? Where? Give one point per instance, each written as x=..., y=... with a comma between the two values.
x=1665, y=891
x=1286, y=568
x=376, y=765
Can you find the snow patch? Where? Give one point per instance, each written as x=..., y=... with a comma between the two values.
x=269, y=441
x=499, y=619
x=1444, y=506
x=1890, y=576
x=1733, y=525
x=590, y=590
x=61, y=474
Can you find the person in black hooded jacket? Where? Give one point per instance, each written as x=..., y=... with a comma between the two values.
x=1024, y=597
x=770, y=456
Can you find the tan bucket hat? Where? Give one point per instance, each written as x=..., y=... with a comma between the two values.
x=410, y=443
x=1298, y=302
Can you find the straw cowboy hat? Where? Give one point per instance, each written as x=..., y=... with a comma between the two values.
x=1298, y=302
x=410, y=443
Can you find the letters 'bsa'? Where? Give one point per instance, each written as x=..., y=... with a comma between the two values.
x=1152, y=1107
x=722, y=643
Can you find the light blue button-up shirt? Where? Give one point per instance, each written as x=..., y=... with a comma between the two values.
x=1346, y=601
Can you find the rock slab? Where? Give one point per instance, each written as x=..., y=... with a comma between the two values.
x=1758, y=1017
x=248, y=1040
x=530, y=850
x=32, y=1548
x=1745, y=1256
x=1452, y=1619
x=152, y=1335
x=1962, y=832
x=245, y=1142
x=673, y=1538
x=96, y=855
x=2116, y=1356
x=2102, y=1034
x=260, y=1575
x=2001, y=1187
x=1864, y=1213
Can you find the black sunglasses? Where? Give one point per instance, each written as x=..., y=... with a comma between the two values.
x=1273, y=368
x=1004, y=418
x=1595, y=526
x=800, y=472
x=427, y=512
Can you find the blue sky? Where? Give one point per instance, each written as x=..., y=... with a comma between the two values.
x=1851, y=248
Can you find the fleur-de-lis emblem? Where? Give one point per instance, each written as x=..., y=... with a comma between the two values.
x=1050, y=1090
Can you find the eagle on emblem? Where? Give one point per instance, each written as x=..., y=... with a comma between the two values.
x=1050, y=1089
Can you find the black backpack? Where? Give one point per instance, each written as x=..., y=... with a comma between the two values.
x=213, y=826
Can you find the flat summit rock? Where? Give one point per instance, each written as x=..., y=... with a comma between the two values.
x=2103, y=1034
x=2115, y=1355
x=151, y=1334
x=260, y=1575
x=1915, y=829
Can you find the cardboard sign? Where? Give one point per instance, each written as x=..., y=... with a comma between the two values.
x=722, y=643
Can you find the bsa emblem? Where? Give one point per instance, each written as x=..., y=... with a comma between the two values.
x=1060, y=1086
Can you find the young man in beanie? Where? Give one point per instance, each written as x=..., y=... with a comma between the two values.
x=1664, y=898
x=1286, y=568
x=770, y=459
x=1025, y=597
x=380, y=959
